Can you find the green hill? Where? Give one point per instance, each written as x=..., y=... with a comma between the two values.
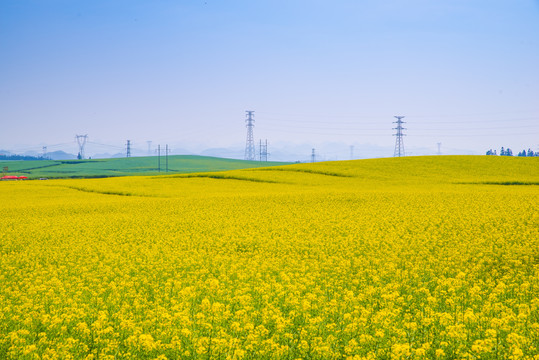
x=126, y=166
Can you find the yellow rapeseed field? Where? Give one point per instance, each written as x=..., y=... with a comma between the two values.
x=402, y=258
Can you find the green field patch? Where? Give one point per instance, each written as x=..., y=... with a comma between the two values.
x=307, y=171
x=133, y=166
x=229, y=177
x=102, y=192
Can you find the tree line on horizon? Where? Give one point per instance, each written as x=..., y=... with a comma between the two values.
x=22, y=157
x=509, y=152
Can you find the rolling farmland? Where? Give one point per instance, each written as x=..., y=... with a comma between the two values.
x=97, y=168
x=400, y=258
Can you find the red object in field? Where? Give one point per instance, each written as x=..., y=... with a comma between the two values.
x=23, y=178
x=9, y=177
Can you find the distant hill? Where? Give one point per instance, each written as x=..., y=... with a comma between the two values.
x=60, y=155
x=32, y=155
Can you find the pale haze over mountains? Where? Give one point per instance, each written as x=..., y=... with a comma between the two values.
x=326, y=75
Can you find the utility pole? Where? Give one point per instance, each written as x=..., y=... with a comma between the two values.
x=81, y=140
x=250, y=143
x=159, y=158
x=128, y=154
x=313, y=156
x=166, y=158
x=399, y=144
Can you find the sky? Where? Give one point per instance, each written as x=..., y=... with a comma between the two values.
x=317, y=74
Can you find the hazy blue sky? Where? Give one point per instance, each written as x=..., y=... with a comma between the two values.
x=464, y=73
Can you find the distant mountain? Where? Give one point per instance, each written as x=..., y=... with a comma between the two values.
x=54, y=155
x=60, y=155
x=278, y=151
x=102, y=156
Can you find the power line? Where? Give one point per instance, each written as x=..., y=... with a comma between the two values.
x=484, y=128
x=360, y=127
x=416, y=135
x=62, y=144
x=358, y=131
x=418, y=116
x=474, y=135
x=106, y=145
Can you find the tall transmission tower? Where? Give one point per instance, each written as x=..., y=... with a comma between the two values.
x=128, y=148
x=250, y=143
x=263, y=150
x=81, y=140
x=399, y=144
x=313, y=156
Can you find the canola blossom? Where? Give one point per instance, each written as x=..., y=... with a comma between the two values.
x=408, y=258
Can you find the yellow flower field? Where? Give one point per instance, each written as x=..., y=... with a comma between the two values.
x=401, y=258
